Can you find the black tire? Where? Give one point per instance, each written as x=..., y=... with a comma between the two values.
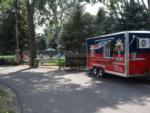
x=100, y=72
x=95, y=71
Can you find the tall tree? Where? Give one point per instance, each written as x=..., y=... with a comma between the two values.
x=148, y=1
x=30, y=7
x=134, y=18
x=18, y=58
x=77, y=29
x=99, y=22
x=8, y=23
x=55, y=13
x=7, y=33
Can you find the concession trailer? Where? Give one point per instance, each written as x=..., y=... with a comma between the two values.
x=124, y=54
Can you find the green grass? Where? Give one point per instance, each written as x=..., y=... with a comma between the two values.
x=52, y=62
x=10, y=59
x=55, y=62
x=7, y=56
x=4, y=100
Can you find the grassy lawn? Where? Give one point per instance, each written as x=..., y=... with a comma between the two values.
x=5, y=100
x=8, y=57
x=55, y=62
x=7, y=60
x=52, y=62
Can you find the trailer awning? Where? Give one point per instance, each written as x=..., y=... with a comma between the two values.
x=101, y=43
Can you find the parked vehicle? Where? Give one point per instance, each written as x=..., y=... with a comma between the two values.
x=125, y=54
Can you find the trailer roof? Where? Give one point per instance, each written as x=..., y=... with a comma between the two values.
x=119, y=33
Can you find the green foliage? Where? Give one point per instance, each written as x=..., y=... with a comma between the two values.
x=55, y=62
x=77, y=29
x=41, y=43
x=134, y=17
x=7, y=28
x=67, y=22
x=9, y=57
x=54, y=14
x=52, y=43
x=80, y=25
x=7, y=60
x=100, y=22
x=7, y=36
x=72, y=37
x=5, y=5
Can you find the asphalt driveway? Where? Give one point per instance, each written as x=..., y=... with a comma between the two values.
x=48, y=90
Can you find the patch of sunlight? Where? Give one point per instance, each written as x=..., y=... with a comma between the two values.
x=11, y=69
x=38, y=70
x=41, y=87
x=134, y=105
x=79, y=79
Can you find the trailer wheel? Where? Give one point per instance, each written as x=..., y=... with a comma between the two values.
x=95, y=71
x=100, y=72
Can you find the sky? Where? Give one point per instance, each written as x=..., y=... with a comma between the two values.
x=93, y=9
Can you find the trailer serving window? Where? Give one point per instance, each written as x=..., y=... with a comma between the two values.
x=108, y=50
x=92, y=52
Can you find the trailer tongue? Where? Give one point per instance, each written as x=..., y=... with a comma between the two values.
x=125, y=54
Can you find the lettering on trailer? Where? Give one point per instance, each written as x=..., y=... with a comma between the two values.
x=118, y=68
x=119, y=59
x=119, y=63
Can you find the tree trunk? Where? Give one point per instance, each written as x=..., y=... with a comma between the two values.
x=144, y=4
x=31, y=31
x=148, y=4
x=132, y=2
x=17, y=34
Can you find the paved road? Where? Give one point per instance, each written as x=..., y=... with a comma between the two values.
x=48, y=90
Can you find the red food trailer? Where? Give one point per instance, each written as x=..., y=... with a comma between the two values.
x=125, y=54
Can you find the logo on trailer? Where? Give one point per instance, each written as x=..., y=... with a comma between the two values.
x=119, y=45
x=144, y=43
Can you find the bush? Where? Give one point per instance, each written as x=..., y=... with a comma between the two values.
x=7, y=60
